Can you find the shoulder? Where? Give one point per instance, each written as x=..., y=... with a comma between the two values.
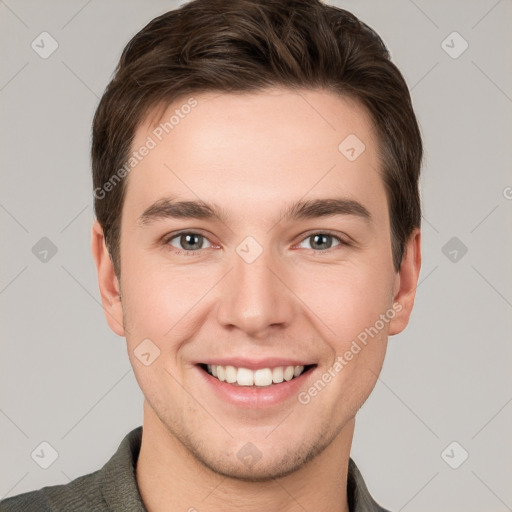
x=81, y=494
x=113, y=487
x=359, y=497
x=27, y=502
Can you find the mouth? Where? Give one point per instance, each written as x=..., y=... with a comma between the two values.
x=258, y=378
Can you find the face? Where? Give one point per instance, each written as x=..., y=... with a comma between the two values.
x=287, y=263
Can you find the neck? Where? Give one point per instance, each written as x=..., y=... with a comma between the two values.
x=170, y=478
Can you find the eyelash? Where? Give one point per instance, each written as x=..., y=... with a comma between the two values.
x=166, y=241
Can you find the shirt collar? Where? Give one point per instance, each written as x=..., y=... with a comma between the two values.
x=118, y=482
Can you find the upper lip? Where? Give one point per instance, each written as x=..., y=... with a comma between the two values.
x=255, y=364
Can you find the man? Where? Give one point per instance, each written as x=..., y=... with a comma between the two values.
x=255, y=169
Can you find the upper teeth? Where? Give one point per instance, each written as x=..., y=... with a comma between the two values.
x=260, y=377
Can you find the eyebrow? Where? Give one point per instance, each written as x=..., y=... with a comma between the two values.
x=315, y=208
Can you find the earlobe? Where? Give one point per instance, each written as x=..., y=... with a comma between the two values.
x=107, y=280
x=406, y=282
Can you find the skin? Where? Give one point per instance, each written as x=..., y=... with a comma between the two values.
x=253, y=154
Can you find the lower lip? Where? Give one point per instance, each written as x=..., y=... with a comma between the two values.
x=256, y=397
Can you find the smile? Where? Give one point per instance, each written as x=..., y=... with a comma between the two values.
x=261, y=377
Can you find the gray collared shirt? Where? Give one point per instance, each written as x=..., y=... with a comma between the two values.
x=114, y=488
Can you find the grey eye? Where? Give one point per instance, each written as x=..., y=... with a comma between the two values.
x=321, y=241
x=188, y=241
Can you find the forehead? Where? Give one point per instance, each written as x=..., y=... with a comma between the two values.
x=256, y=150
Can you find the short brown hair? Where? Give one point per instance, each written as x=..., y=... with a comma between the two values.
x=247, y=46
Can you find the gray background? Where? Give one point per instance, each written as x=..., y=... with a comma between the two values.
x=66, y=378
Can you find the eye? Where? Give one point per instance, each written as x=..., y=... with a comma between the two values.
x=187, y=241
x=322, y=241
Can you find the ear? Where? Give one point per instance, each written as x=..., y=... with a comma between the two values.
x=406, y=282
x=107, y=280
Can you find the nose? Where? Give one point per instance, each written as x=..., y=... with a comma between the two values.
x=256, y=297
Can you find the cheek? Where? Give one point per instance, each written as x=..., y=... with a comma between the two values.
x=346, y=300
x=161, y=302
